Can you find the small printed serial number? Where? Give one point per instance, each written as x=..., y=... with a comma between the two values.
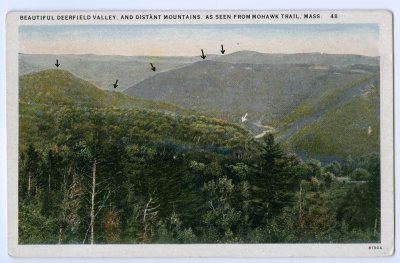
x=375, y=247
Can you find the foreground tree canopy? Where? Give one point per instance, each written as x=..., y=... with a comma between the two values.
x=118, y=174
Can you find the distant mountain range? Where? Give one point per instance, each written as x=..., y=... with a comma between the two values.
x=103, y=70
x=339, y=60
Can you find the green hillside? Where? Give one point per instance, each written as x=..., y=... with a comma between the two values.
x=48, y=94
x=350, y=128
x=99, y=167
x=56, y=86
x=334, y=124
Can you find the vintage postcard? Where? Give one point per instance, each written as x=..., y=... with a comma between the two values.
x=200, y=133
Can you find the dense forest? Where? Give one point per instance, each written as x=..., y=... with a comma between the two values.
x=101, y=167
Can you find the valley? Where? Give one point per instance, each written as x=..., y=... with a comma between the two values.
x=221, y=150
x=285, y=92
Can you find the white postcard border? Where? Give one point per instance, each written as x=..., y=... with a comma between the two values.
x=381, y=17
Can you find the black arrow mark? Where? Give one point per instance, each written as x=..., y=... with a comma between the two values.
x=222, y=49
x=152, y=67
x=57, y=63
x=116, y=84
x=202, y=55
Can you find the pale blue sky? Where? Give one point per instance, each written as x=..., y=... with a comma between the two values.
x=187, y=40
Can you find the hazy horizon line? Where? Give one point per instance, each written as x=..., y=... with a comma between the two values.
x=208, y=54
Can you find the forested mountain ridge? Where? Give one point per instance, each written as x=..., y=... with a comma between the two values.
x=57, y=86
x=281, y=98
x=228, y=91
x=98, y=167
x=49, y=88
x=350, y=127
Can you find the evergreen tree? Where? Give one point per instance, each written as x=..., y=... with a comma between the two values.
x=275, y=181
